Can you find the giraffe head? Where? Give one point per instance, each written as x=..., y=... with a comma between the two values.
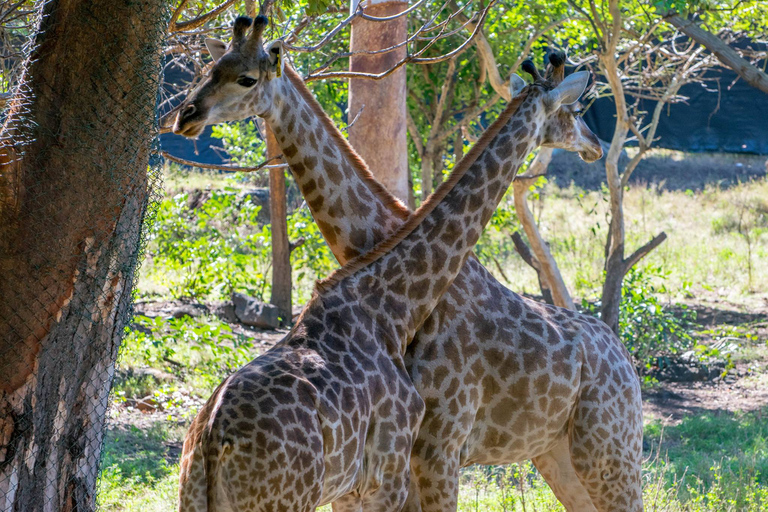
x=563, y=126
x=241, y=82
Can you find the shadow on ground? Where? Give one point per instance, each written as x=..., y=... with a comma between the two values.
x=667, y=170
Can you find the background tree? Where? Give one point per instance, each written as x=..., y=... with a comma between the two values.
x=380, y=136
x=74, y=189
x=638, y=59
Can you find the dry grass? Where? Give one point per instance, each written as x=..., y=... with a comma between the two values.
x=705, y=255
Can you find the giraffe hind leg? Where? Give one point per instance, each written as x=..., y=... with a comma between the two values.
x=557, y=469
x=606, y=451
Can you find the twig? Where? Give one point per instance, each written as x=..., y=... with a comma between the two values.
x=357, y=116
x=200, y=20
x=414, y=58
x=226, y=168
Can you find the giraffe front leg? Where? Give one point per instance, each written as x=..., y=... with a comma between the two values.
x=349, y=503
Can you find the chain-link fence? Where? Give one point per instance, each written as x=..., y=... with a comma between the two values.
x=79, y=174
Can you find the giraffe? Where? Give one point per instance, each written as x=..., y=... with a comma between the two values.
x=492, y=366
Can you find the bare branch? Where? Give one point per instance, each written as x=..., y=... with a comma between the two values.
x=225, y=168
x=643, y=251
x=415, y=58
x=200, y=20
x=727, y=55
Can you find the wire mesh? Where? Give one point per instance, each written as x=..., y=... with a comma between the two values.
x=79, y=181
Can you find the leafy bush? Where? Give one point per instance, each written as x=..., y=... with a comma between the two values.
x=649, y=330
x=204, y=349
x=212, y=250
x=217, y=248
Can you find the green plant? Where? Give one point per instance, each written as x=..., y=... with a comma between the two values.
x=212, y=250
x=651, y=332
x=203, y=348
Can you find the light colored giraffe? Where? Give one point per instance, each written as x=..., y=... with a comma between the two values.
x=498, y=372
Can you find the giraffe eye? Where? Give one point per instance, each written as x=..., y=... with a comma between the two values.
x=246, y=81
x=578, y=113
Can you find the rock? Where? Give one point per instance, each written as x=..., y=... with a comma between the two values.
x=193, y=310
x=225, y=311
x=255, y=313
x=259, y=197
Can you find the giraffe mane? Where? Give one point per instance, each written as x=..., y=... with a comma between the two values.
x=427, y=206
x=358, y=164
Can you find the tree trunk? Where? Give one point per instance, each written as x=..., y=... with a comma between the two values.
x=549, y=274
x=74, y=188
x=380, y=133
x=614, y=257
x=281, y=251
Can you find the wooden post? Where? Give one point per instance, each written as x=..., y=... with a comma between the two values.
x=281, y=251
x=380, y=133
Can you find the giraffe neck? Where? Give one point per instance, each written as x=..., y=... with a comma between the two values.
x=402, y=279
x=353, y=211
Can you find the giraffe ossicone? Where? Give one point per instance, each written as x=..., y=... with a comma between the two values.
x=503, y=378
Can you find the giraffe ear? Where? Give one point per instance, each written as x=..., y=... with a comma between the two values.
x=516, y=84
x=570, y=90
x=216, y=48
x=275, y=56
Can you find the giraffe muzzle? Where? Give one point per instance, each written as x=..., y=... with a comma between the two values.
x=188, y=122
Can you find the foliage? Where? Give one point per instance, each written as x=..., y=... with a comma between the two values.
x=313, y=259
x=219, y=247
x=203, y=349
x=212, y=250
x=651, y=332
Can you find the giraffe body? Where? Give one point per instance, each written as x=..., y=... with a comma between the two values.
x=324, y=413
x=504, y=378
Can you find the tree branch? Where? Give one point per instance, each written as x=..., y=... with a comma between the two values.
x=643, y=251
x=525, y=252
x=226, y=168
x=727, y=55
x=200, y=20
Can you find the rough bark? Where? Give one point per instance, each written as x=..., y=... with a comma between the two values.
x=74, y=154
x=753, y=75
x=380, y=134
x=281, y=250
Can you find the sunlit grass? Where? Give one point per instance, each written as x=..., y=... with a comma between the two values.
x=703, y=255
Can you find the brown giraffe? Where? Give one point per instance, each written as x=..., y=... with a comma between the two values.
x=494, y=368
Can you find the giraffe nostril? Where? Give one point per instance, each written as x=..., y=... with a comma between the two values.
x=188, y=110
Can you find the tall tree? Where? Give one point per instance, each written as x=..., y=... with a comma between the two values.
x=281, y=251
x=380, y=136
x=637, y=59
x=74, y=189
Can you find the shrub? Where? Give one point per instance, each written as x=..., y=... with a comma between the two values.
x=649, y=330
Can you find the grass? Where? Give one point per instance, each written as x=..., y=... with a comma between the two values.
x=735, y=443
x=704, y=254
x=138, y=471
x=708, y=463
